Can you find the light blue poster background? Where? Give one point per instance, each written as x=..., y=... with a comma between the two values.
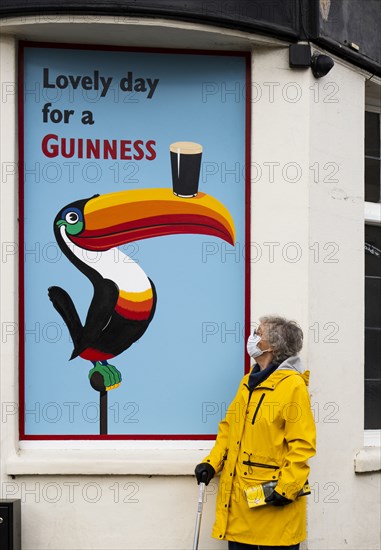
x=185, y=369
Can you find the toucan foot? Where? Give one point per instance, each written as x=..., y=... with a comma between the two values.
x=58, y=296
x=104, y=377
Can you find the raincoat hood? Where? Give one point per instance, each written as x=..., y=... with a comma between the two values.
x=294, y=363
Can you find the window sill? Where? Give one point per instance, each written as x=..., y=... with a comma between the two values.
x=372, y=212
x=104, y=462
x=368, y=459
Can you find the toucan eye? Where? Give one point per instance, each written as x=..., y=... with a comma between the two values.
x=72, y=217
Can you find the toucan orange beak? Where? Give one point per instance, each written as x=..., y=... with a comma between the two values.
x=115, y=219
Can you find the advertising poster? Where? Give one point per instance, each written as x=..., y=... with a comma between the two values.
x=134, y=212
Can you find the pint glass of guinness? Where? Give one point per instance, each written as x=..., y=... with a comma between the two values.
x=185, y=163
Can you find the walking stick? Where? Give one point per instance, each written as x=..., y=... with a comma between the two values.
x=199, y=515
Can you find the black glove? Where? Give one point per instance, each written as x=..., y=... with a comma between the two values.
x=277, y=500
x=204, y=472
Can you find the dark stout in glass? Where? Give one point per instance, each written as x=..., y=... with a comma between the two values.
x=185, y=163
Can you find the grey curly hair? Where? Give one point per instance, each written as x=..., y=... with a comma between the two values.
x=284, y=336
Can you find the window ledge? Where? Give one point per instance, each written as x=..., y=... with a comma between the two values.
x=104, y=462
x=368, y=459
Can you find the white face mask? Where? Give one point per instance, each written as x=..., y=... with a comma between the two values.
x=252, y=346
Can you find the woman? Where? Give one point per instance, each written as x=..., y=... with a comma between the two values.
x=268, y=434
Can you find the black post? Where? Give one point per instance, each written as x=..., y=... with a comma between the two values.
x=97, y=383
x=103, y=412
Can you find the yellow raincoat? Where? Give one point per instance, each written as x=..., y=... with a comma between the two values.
x=275, y=430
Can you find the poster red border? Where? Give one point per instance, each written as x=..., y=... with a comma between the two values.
x=22, y=46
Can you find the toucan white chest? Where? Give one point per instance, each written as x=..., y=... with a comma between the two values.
x=118, y=267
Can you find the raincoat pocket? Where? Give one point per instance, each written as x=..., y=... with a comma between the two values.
x=257, y=473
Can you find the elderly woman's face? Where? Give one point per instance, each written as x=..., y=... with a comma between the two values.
x=262, y=331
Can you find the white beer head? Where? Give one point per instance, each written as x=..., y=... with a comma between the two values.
x=185, y=148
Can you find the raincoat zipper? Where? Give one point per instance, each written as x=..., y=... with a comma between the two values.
x=257, y=409
x=258, y=464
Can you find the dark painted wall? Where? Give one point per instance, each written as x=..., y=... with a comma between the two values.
x=357, y=21
x=266, y=15
x=332, y=24
x=337, y=24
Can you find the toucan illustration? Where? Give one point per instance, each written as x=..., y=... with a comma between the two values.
x=124, y=298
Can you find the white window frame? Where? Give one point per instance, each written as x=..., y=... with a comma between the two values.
x=372, y=215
